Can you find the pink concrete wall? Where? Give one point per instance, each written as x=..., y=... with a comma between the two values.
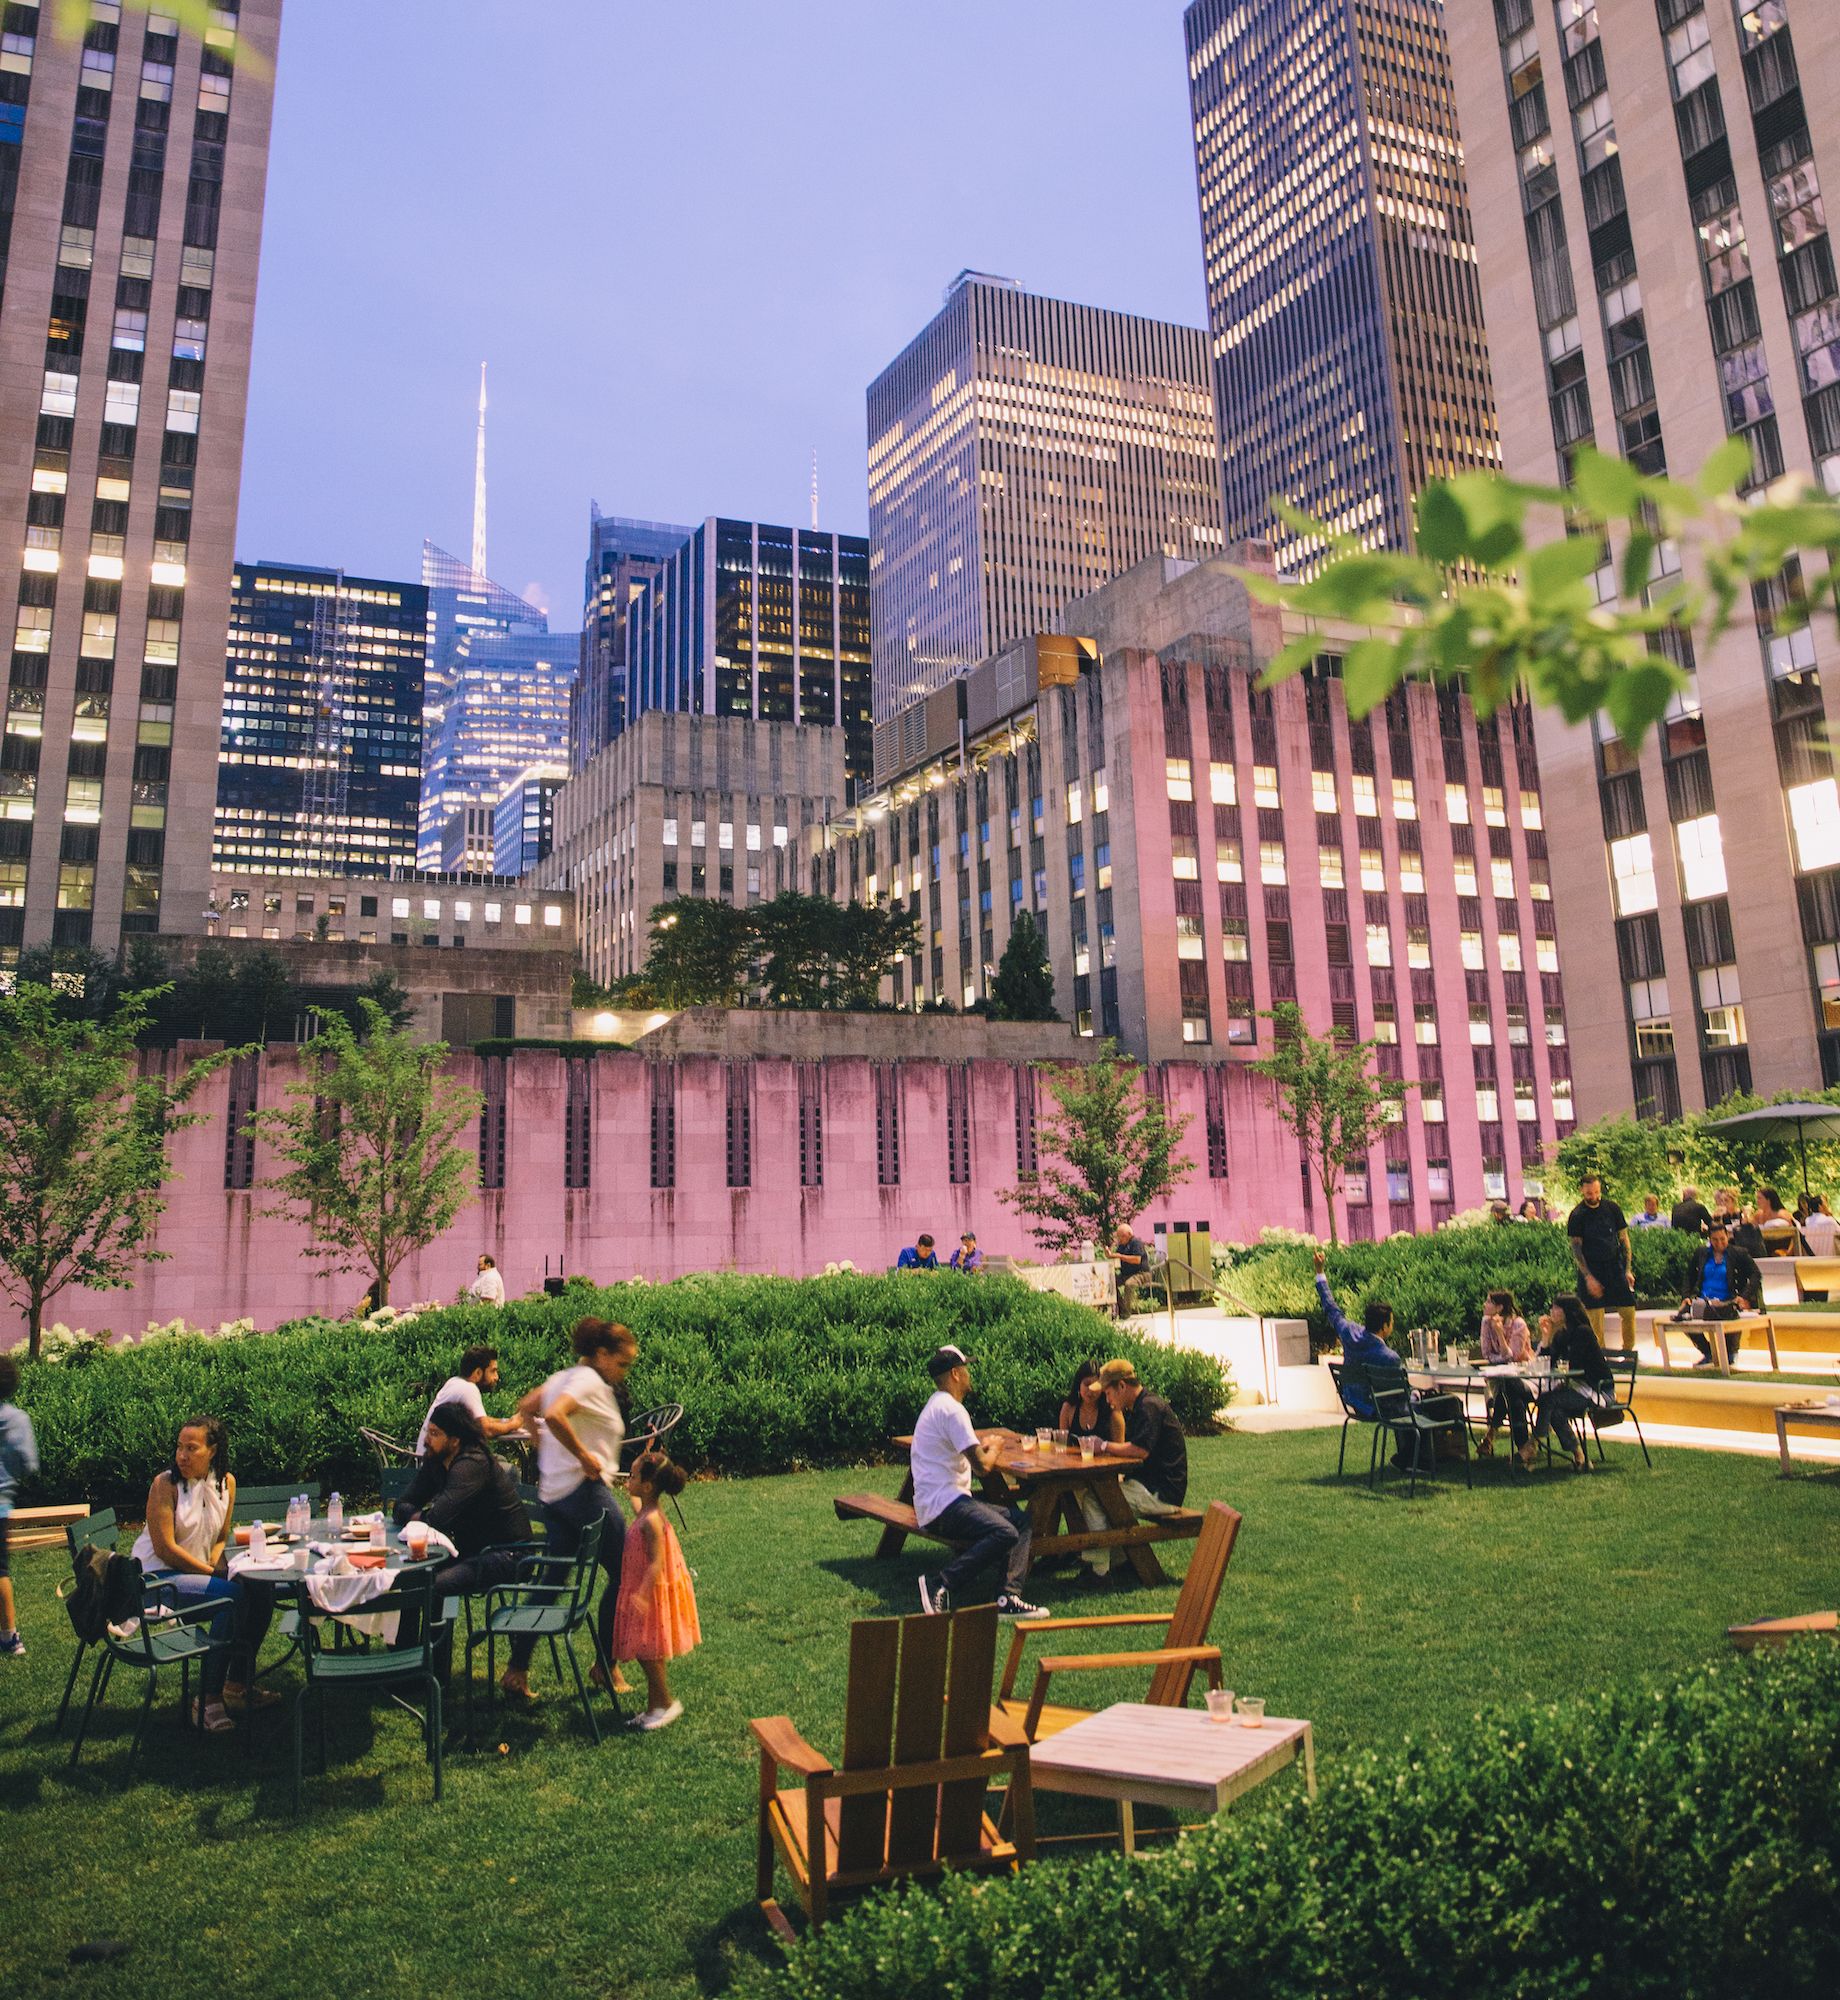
x=229, y=1260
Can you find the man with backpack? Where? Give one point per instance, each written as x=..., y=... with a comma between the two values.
x=18, y=1461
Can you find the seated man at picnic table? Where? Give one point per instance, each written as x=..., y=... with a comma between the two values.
x=1722, y=1276
x=945, y=1449
x=1153, y=1436
x=1365, y=1346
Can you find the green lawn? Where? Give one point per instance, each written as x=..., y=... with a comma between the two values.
x=555, y=1869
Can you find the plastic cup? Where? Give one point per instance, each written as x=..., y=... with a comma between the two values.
x=1044, y=1436
x=376, y=1534
x=415, y=1535
x=1060, y=1438
x=1220, y=1704
x=1251, y=1712
x=1088, y=1445
x=303, y=1558
x=1028, y=1441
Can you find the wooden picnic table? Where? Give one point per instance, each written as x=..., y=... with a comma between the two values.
x=1047, y=1482
x=1816, y=1416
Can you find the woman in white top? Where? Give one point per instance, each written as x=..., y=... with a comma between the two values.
x=582, y=1430
x=1819, y=1228
x=191, y=1506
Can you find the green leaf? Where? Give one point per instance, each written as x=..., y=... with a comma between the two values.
x=1638, y=560
x=1292, y=659
x=1610, y=487
x=1557, y=572
x=1495, y=514
x=1370, y=670
x=1725, y=470
x=1636, y=697
x=1443, y=527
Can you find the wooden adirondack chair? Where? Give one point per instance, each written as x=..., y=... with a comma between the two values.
x=1174, y=1662
x=921, y=1745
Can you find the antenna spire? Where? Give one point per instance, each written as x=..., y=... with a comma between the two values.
x=479, y=483
x=814, y=486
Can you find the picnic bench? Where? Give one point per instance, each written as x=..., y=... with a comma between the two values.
x=43, y=1527
x=1048, y=1484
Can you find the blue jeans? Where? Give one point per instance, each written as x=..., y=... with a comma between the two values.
x=238, y=1628
x=991, y=1535
x=565, y=1520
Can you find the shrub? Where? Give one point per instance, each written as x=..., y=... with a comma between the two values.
x=1680, y=1842
x=1441, y=1280
x=772, y=1373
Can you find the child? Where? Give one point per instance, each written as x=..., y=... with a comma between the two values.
x=18, y=1460
x=656, y=1617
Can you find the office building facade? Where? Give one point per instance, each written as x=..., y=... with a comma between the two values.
x=320, y=766
x=749, y=619
x=1661, y=276
x=1198, y=848
x=133, y=159
x=524, y=820
x=1349, y=363
x=1021, y=451
x=622, y=555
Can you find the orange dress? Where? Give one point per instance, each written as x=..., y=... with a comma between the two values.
x=655, y=1618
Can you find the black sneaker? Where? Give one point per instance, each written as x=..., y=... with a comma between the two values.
x=1011, y=1606
x=933, y=1597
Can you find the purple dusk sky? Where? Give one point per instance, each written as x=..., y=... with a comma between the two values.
x=684, y=237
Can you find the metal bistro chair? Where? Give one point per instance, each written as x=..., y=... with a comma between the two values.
x=259, y=1503
x=1622, y=1362
x=387, y=1450
x=97, y=1530
x=1400, y=1417
x=158, y=1635
x=1352, y=1413
x=646, y=1432
x=552, y=1599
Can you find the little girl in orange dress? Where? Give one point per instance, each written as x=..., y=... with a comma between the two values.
x=655, y=1619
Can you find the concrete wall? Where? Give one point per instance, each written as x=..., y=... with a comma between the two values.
x=228, y=1259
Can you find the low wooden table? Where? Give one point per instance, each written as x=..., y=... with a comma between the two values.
x=1817, y=1416
x=1176, y=1757
x=1717, y=1334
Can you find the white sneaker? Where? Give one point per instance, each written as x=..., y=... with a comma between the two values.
x=658, y=1718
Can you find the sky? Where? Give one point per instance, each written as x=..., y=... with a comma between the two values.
x=684, y=236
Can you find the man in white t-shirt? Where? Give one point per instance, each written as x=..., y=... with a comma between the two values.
x=583, y=1428
x=468, y=1385
x=945, y=1450
x=488, y=1289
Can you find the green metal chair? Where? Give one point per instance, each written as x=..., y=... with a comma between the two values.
x=1352, y=1412
x=264, y=1503
x=1623, y=1365
x=552, y=1599
x=411, y=1662
x=1400, y=1417
x=393, y=1482
x=99, y=1530
x=163, y=1635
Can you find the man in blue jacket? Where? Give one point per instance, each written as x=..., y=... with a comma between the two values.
x=1365, y=1346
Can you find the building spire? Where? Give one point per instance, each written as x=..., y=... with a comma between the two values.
x=479, y=483
x=814, y=486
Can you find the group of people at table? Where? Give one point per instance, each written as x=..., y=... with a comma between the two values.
x=462, y=1492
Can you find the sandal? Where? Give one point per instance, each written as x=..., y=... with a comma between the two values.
x=214, y=1721
x=250, y=1697
x=1485, y=1447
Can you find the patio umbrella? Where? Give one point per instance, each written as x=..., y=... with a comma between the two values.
x=1799, y=1122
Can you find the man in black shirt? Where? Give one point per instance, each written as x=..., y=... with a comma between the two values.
x=1150, y=1426
x=1690, y=1213
x=1599, y=1234
x=1133, y=1260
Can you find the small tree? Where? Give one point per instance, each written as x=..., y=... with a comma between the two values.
x=369, y=1138
x=82, y=1148
x=869, y=937
x=1023, y=989
x=1107, y=1151
x=1330, y=1097
x=699, y=952
x=1632, y=1159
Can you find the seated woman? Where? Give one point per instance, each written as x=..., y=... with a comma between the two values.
x=1505, y=1340
x=1086, y=1413
x=1591, y=1385
x=190, y=1507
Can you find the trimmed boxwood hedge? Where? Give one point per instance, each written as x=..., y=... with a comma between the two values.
x=1442, y=1279
x=772, y=1372
x=1681, y=1843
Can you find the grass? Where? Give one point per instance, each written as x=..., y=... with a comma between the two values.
x=555, y=1870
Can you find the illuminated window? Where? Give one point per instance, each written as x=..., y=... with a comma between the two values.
x=552, y=916
x=1418, y=946
x=1076, y=803
x=1271, y=862
x=1188, y=937
x=1545, y=955
x=1431, y=1102
x=1411, y=871
x=1264, y=785
x=1481, y=1025
x=1525, y=1110
x=1365, y=802
x=492, y=913
x=1101, y=792
x=1702, y=857
x=1827, y=978
x=1494, y=808
x=1531, y=817
x=1488, y=1103
x=1184, y=858
x=1322, y=791
x=1722, y=1001
x=1465, y=866
x=753, y=839
x=1651, y=1014
x=1329, y=867
x=1227, y=864
x=1179, y=779
x=1386, y=1025
x=1379, y=945
x=399, y=906
x=1194, y=1028
x=1501, y=876
x=670, y=833
x=1405, y=799
x=1539, y=881
x=1424, y=1023
x=725, y=836
x=699, y=833
x=520, y=913
x=1373, y=869
x=1222, y=788
x=1469, y=944
x=1233, y=946
x=1508, y=944
x=1562, y=1107
x=1632, y=871
x=1456, y=804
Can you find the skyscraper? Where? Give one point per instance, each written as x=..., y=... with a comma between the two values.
x=133, y=159
x=1660, y=274
x=1022, y=450
x=321, y=762
x=622, y=555
x=750, y=619
x=1344, y=314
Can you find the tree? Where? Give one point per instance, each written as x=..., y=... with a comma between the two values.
x=1631, y=1157
x=1107, y=1151
x=1023, y=989
x=869, y=937
x=1329, y=1095
x=795, y=944
x=82, y=1148
x=387, y=993
x=699, y=953
x=374, y=1170
x=85, y=985
x=1480, y=602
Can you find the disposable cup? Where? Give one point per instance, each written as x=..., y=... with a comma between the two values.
x=1251, y=1712
x=1220, y=1704
x=1088, y=1445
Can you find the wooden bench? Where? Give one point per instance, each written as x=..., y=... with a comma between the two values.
x=896, y=1516
x=1817, y=1274
x=1779, y=1631
x=43, y=1527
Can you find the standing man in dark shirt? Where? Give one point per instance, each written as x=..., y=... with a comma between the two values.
x=1132, y=1260
x=1599, y=1233
x=1690, y=1213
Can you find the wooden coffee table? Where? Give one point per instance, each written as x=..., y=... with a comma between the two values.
x=1176, y=1757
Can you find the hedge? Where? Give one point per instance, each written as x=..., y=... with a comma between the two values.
x=772, y=1372
x=1682, y=1843
x=1442, y=1279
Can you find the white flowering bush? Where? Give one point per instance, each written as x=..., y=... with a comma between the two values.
x=839, y=1267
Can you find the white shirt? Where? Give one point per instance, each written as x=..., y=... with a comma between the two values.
x=488, y=1287
x=1818, y=1233
x=201, y=1509
x=456, y=1389
x=942, y=1472
x=595, y=1420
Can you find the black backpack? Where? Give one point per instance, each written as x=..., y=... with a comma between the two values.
x=105, y=1590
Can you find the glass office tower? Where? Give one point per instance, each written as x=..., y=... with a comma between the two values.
x=1344, y=309
x=622, y=555
x=1022, y=451
x=133, y=158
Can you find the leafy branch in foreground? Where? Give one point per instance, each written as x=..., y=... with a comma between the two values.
x=1479, y=599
